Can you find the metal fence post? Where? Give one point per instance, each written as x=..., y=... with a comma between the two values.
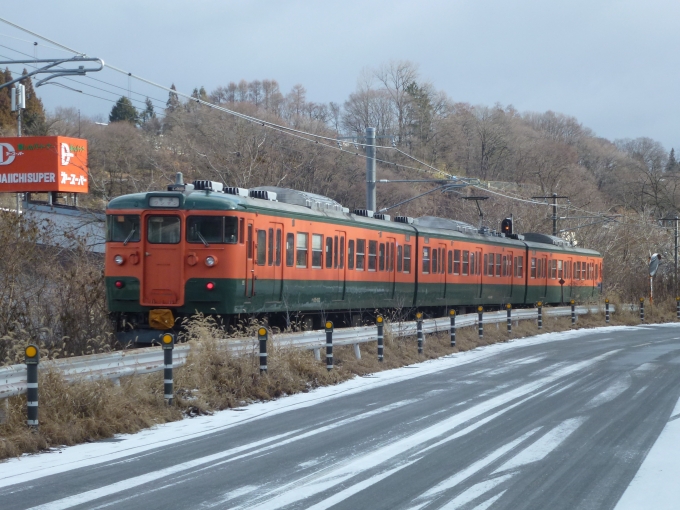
x=573, y=312
x=168, y=342
x=539, y=305
x=642, y=309
x=329, y=345
x=452, y=314
x=480, y=322
x=419, y=331
x=32, y=358
x=509, y=307
x=606, y=311
x=379, y=322
x=262, y=337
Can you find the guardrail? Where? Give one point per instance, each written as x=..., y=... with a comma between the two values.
x=115, y=365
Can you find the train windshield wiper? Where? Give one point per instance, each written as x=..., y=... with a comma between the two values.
x=202, y=238
x=129, y=236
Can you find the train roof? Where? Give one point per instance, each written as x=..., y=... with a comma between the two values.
x=293, y=203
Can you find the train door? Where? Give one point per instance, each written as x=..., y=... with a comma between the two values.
x=163, y=282
x=441, y=271
x=274, y=258
x=391, y=265
x=250, y=264
x=569, y=278
x=339, y=264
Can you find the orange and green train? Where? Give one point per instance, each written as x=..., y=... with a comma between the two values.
x=290, y=255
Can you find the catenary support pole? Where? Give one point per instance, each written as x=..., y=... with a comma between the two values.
x=168, y=343
x=32, y=358
x=329, y=345
x=452, y=332
x=419, y=331
x=262, y=335
x=480, y=321
x=370, y=169
x=509, y=308
x=379, y=321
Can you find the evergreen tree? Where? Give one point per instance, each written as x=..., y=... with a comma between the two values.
x=7, y=118
x=123, y=111
x=672, y=165
x=148, y=112
x=33, y=117
x=173, y=100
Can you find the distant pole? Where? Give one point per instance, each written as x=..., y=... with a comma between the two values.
x=676, y=255
x=370, y=169
x=554, y=210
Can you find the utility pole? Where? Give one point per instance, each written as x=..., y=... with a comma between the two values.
x=554, y=210
x=370, y=169
x=18, y=100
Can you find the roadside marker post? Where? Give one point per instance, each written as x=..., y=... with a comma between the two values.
x=379, y=321
x=419, y=331
x=606, y=311
x=262, y=336
x=509, y=308
x=168, y=343
x=329, y=345
x=677, y=307
x=539, y=305
x=32, y=358
x=573, y=312
x=480, y=321
x=452, y=314
x=642, y=309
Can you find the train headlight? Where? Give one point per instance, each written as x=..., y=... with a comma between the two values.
x=210, y=261
x=119, y=259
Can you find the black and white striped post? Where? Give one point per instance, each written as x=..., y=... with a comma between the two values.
x=262, y=337
x=539, y=305
x=480, y=321
x=379, y=321
x=168, y=343
x=606, y=311
x=329, y=345
x=32, y=359
x=419, y=331
x=509, y=308
x=452, y=315
x=677, y=308
x=642, y=309
x=573, y=312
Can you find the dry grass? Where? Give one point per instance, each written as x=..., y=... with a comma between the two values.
x=213, y=379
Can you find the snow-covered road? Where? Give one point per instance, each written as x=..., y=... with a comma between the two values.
x=562, y=420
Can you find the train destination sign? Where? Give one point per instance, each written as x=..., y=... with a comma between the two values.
x=43, y=163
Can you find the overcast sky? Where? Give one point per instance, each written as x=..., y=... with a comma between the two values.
x=612, y=64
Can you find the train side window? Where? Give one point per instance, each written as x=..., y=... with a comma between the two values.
x=577, y=270
x=560, y=273
x=290, y=249
x=270, y=248
x=486, y=264
x=261, y=247
x=466, y=262
x=341, y=258
x=498, y=264
x=519, y=273
x=241, y=230
x=479, y=260
x=442, y=260
x=390, y=257
x=426, y=260
x=249, y=245
x=361, y=254
x=335, y=253
x=450, y=262
x=456, y=261
x=435, y=257
x=381, y=257
x=329, y=252
x=472, y=262
x=400, y=254
x=317, y=251
x=350, y=254
x=503, y=266
x=596, y=274
x=278, y=247
x=407, y=258
x=372, y=254
x=301, y=250
x=533, y=267
x=583, y=270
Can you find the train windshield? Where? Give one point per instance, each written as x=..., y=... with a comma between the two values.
x=122, y=228
x=163, y=229
x=212, y=229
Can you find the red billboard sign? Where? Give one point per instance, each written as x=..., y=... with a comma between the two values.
x=43, y=163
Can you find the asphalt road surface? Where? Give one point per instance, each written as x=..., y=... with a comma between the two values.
x=560, y=424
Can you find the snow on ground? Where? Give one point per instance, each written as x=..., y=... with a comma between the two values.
x=656, y=483
x=32, y=467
